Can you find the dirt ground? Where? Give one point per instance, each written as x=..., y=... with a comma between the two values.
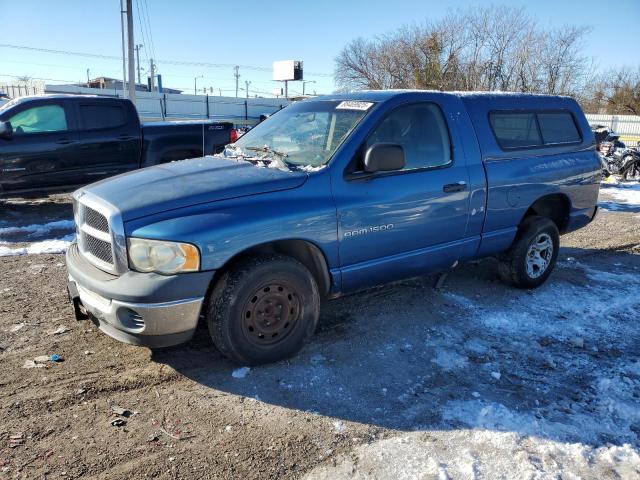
x=395, y=360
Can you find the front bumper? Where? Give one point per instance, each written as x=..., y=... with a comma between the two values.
x=138, y=308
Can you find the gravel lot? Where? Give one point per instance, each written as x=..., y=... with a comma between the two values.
x=474, y=380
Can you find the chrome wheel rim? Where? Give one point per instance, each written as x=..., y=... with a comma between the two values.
x=539, y=255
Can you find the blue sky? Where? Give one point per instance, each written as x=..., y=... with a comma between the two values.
x=255, y=33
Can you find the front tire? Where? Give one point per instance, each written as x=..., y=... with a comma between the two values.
x=532, y=257
x=263, y=309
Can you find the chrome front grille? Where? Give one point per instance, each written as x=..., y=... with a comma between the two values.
x=99, y=232
x=98, y=248
x=95, y=220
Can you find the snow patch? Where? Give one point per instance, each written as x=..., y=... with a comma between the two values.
x=626, y=194
x=240, y=372
x=476, y=454
x=59, y=245
x=311, y=168
x=39, y=229
x=449, y=360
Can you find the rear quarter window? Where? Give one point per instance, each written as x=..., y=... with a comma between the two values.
x=519, y=130
x=102, y=116
x=515, y=130
x=558, y=127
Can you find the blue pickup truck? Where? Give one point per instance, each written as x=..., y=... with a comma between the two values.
x=327, y=197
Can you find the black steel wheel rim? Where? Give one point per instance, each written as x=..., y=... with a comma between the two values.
x=270, y=314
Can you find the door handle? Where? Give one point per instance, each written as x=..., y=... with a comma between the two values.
x=65, y=141
x=125, y=137
x=454, y=187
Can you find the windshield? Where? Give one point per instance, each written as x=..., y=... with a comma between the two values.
x=305, y=133
x=8, y=105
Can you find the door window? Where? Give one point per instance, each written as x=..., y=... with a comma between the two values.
x=42, y=119
x=422, y=132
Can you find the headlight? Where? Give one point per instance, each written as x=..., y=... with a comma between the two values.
x=162, y=257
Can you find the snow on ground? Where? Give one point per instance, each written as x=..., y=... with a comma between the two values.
x=531, y=384
x=481, y=454
x=35, y=230
x=36, y=238
x=477, y=381
x=58, y=245
x=619, y=196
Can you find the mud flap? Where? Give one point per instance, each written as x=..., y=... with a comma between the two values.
x=74, y=297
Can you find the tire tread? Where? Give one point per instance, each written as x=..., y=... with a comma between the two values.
x=224, y=294
x=510, y=263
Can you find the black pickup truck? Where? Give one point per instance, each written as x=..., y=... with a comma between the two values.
x=58, y=142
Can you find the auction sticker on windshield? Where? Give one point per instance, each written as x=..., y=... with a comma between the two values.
x=354, y=105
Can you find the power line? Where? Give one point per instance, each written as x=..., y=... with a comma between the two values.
x=142, y=33
x=59, y=66
x=114, y=71
x=149, y=32
x=167, y=62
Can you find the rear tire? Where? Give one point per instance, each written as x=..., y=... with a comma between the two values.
x=631, y=173
x=532, y=257
x=263, y=309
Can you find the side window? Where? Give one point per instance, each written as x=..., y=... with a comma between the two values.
x=515, y=130
x=558, y=127
x=422, y=132
x=102, y=116
x=42, y=119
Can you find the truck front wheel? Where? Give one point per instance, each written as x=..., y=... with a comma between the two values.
x=531, y=258
x=263, y=309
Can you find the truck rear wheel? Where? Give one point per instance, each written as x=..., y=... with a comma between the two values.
x=263, y=309
x=532, y=257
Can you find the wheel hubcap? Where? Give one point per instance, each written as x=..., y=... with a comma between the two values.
x=270, y=314
x=539, y=255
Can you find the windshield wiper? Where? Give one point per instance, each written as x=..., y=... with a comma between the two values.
x=267, y=149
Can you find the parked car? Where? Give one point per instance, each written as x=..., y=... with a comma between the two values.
x=330, y=196
x=55, y=142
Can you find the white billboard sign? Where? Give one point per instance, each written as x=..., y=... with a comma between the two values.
x=287, y=70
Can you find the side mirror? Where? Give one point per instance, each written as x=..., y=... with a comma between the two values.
x=384, y=157
x=6, y=130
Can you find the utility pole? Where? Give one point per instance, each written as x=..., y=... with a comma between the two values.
x=124, y=66
x=237, y=75
x=88, y=78
x=138, y=47
x=195, y=84
x=130, y=44
x=152, y=73
x=246, y=87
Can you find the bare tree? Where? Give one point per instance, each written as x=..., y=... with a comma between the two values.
x=493, y=48
x=616, y=92
x=623, y=96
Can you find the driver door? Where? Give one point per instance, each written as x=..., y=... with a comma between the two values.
x=399, y=224
x=44, y=140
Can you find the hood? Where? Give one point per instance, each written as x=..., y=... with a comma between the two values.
x=189, y=182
